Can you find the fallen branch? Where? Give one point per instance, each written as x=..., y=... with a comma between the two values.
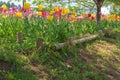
x=78, y=40
x=60, y=45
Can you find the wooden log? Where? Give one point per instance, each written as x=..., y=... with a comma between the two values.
x=39, y=43
x=76, y=40
x=69, y=43
x=19, y=37
x=60, y=45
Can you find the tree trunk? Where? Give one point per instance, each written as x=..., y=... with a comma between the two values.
x=99, y=4
x=98, y=15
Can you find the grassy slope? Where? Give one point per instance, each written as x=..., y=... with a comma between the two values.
x=94, y=60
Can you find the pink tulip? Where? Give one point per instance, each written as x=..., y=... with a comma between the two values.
x=22, y=9
x=45, y=14
x=57, y=15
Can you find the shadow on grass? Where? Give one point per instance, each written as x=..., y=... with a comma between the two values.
x=15, y=71
x=105, y=57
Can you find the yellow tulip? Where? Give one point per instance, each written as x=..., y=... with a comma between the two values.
x=72, y=16
x=84, y=15
x=56, y=9
x=39, y=13
x=40, y=7
x=52, y=12
x=75, y=14
x=4, y=6
x=111, y=17
x=19, y=14
x=65, y=11
x=26, y=6
x=50, y=18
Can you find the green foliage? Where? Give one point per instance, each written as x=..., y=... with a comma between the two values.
x=114, y=4
x=56, y=63
x=64, y=64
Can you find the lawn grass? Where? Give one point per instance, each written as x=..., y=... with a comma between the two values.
x=101, y=62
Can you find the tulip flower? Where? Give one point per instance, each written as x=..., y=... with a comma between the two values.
x=39, y=13
x=26, y=6
x=52, y=12
x=19, y=14
x=45, y=14
x=65, y=11
x=56, y=9
x=50, y=18
x=88, y=15
x=40, y=7
x=4, y=7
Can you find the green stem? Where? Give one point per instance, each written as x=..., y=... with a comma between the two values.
x=24, y=2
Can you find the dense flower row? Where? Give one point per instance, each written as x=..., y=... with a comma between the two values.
x=56, y=12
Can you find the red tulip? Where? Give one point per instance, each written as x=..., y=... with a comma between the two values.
x=92, y=17
x=45, y=14
x=88, y=15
